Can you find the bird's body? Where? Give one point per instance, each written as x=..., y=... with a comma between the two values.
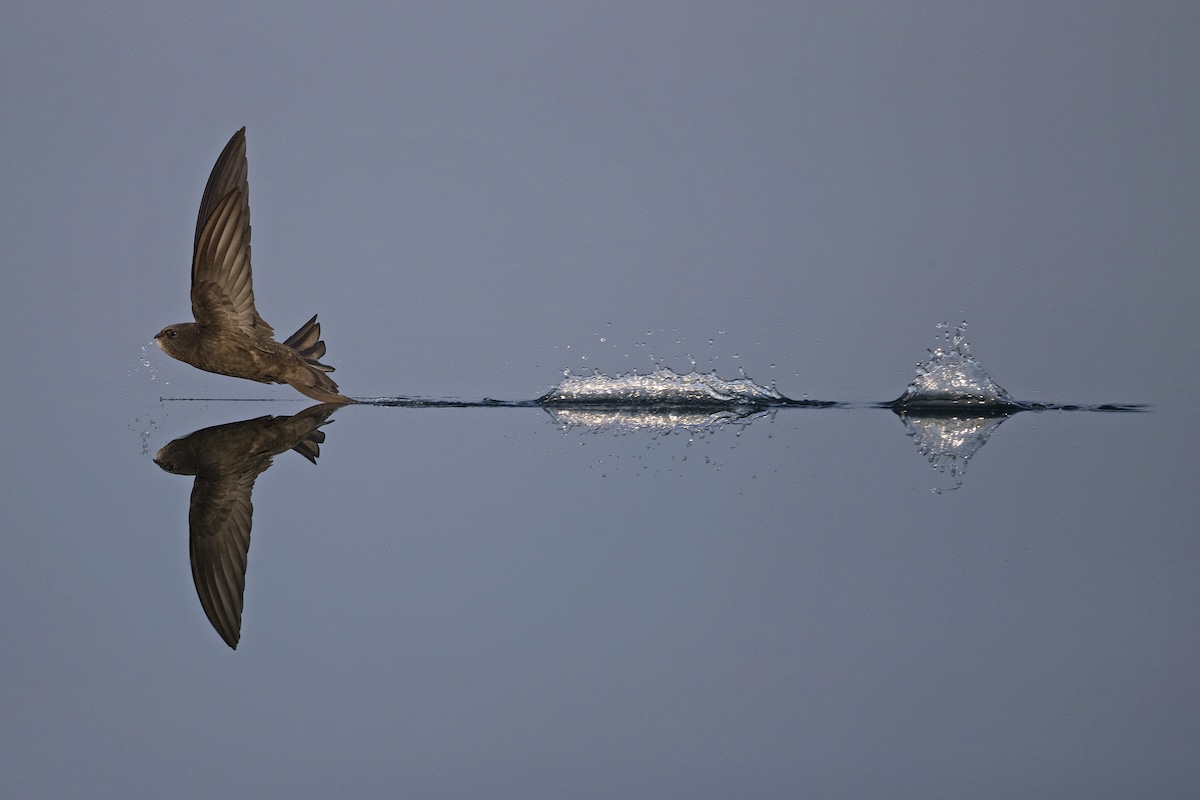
x=229, y=337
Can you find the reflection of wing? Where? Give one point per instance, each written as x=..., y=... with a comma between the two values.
x=222, y=288
x=219, y=523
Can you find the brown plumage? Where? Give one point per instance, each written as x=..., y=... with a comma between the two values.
x=228, y=336
x=226, y=460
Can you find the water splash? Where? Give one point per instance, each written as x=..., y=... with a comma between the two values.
x=951, y=377
x=661, y=388
x=144, y=363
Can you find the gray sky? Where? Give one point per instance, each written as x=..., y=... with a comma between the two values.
x=465, y=192
x=475, y=197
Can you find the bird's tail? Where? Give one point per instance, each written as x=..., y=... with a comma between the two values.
x=307, y=342
x=317, y=385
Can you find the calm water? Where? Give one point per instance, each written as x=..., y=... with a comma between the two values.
x=511, y=601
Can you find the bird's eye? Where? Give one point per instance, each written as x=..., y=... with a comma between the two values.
x=172, y=332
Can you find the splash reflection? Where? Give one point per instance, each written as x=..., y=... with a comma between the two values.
x=949, y=442
x=659, y=421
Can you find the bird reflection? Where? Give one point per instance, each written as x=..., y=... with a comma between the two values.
x=226, y=460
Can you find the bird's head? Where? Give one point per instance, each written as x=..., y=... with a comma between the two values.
x=178, y=341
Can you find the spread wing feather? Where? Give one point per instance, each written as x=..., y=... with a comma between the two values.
x=228, y=173
x=219, y=542
x=222, y=282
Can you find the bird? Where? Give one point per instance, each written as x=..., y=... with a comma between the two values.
x=226, y=460
x=229, y=337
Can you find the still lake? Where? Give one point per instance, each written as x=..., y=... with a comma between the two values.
x=497, y=602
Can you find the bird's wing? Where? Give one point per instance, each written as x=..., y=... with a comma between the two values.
x=219, y=541
x=228, y=173
x=222, y=284
x=222, y=288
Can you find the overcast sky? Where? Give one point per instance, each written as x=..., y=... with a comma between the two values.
x=471, y=196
